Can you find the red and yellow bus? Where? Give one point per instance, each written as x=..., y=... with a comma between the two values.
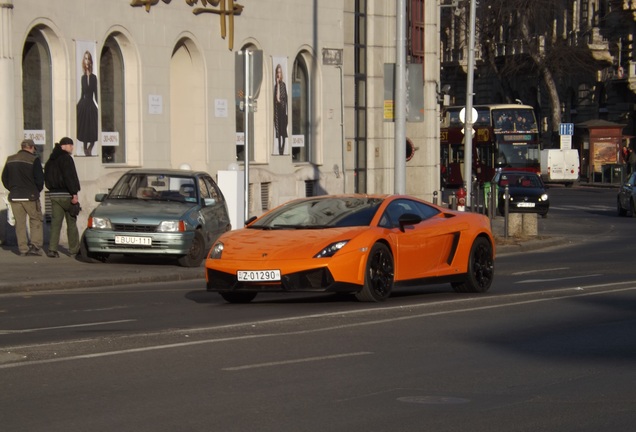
x=505, y=136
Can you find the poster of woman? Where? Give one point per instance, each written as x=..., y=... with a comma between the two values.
x=87, y=107
x=279, y=66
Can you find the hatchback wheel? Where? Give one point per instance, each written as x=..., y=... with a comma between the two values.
x=196, y=254
x=619, y=208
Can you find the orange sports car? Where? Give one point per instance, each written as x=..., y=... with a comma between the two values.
x=361, y=244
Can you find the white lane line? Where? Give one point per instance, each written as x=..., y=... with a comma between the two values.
x=567, y=295
x=559, y=279
x=305, y=360
x=540, y=271
x=3, y=332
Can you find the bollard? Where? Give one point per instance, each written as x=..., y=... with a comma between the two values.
x=435, y=197
x=506, y=198
x=461, y=199
x=493, y=199
x=452, y=201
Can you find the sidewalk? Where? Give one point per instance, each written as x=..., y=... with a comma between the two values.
x=28, y=274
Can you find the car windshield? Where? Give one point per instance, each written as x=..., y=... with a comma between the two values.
x=160, y=187
x=315, y=213
x=520, y=180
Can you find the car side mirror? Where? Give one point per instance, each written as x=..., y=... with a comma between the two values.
x=408, y=219
x=209, y=201
x=100, y=197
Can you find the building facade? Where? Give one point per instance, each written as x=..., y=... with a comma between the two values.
x=162, y=82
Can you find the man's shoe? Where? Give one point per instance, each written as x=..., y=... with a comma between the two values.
x=52, y=254
x=34, y=251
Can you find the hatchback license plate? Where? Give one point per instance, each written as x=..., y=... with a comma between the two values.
x=525, y=204
x=258, y=275
x=131, y=240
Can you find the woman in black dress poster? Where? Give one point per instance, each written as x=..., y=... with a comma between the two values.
x=280, y=109
x=87, y=106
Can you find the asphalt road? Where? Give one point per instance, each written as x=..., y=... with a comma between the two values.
x=550, y=347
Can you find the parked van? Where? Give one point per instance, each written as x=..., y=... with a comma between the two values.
x=560, y=166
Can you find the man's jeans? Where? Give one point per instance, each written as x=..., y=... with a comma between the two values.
x=32, y=209
x=59, y=212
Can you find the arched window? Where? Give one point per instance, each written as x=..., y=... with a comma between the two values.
x=37, y=93
x=113, y=103
x=301, y=112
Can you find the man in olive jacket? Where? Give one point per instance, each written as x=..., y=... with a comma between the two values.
x=63, y=185
x=22, y=176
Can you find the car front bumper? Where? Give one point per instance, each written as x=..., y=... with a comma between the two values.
x=103, y=241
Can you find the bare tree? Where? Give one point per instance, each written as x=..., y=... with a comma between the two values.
x=535, y=38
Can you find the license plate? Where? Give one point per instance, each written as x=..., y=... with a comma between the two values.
x=136, y=241
x=525, y=204
x=258, y=275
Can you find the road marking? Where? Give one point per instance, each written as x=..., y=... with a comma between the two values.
x=575, y=207
x=3, y=332
x=305, y=360
x=567, y=294
x=540, y=271
x=558, y=279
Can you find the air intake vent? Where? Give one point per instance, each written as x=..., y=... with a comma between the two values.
x=265, y=196
x=310, y=188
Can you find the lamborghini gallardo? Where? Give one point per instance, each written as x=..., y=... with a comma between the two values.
x=366, y=245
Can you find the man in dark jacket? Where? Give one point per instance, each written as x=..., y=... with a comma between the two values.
x=63, y=185
x=22, y=176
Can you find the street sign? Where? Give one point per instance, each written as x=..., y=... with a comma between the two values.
x=462, y=115
x=566, y=142
x=566, y=129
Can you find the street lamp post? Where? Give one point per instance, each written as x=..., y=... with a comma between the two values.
x=468, y=126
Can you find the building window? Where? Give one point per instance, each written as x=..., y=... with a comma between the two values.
x=301, y=136
x=416, y=30
x=111, y=69
x=37, y=91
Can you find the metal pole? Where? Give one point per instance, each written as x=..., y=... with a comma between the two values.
x=468, y=131
x=246, y=126
x=400, y=99
x=342, y=132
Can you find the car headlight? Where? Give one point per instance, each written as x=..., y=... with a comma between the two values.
x=99, y=223
x=171, y=226
x=216, y=251
x=544, y=197
x=331, y=250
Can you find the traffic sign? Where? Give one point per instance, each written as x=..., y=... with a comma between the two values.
x=566, y=129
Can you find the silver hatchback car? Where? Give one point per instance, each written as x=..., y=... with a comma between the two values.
x=156, y=212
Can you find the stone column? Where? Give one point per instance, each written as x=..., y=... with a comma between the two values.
x=8, y=143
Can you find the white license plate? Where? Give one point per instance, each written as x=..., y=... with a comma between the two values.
x=258, y=275
x=131, y=240
x=525, y=204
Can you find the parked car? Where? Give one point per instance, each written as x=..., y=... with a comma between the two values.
x=528, y=193
x=360, y=244
x=160, y=212
x=627, y=196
